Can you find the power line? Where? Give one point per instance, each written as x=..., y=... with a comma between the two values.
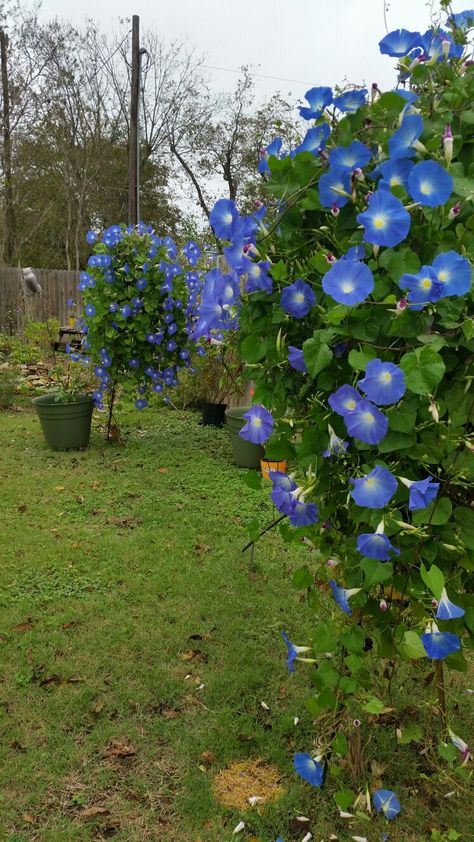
x=261, y=75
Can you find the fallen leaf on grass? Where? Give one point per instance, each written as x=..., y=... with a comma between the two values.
x=208, y=757
x=28, y=818
x=117, y=748
x=162, y=470
x=194, y=654
x=22, y=509
x=23, y=627
x=169, y=713
x=17, y=746
x=59, y=488
x=69, y=625
x=90, y=812
x=95, y=484
x=52, y=679
x=98, y=707
x=124, y=522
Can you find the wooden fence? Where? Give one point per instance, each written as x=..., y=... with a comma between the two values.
x=19, y=305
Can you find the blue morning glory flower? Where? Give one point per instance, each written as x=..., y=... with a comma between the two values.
x=375, y=489
x=141, y=403
x=297, y=299
x=348, y=282
x=438, y=645
x=142, y=283
x=463, y=20
x=386, y=221
x=404, y=142
x=384, y=383
x=223, y=217
x=344, y=400
x=366, y=423
x=354, y=253
x=126, y=311
x=454, y=272
x=351, y=101
x=423, y=287
x=319, y=99
x=192, y=252
x=89, y=310
x=273, y=148
x=342, y=596
x=308, y=769
x=438, y=45
x=399, y=43
x=336, y=447
x=258, y=278
x=259, y=426
x=282, y=491
x=134, y=363
x=293, y=651
x=395, y=173
x=421, y=492
x=447, y=610
x=376, y=545
x=335, y=187
x=385, y=801
x=303, y=514
x=350, y=157
x=430, y=184
x=296, y=359
x=91, y=237
x=314, y=139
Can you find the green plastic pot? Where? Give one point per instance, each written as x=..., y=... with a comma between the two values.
x=65, y=425
x=246, y=454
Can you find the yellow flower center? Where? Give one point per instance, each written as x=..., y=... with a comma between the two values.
x=370, y=482
x=426, y=188
x=426, y=283
x=351, y=404
x=299, y=298
x=443, y=276
x=369, y=419
x=394, y=181
x=257, y=422
x=347, y=287
x=379, y=222
x=386, y=377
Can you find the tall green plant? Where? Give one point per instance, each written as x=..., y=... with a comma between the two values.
x=357, y=326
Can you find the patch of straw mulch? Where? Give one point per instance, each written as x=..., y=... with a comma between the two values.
x=246, y=779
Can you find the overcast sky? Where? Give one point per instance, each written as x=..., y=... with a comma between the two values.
x=309, y=42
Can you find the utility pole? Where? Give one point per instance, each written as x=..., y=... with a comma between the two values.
x=133, y=145
x=7, y=152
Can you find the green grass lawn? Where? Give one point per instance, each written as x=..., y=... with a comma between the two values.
x=133, y=639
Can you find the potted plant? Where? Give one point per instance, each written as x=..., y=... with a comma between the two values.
x=65, y=414
x=220, y=378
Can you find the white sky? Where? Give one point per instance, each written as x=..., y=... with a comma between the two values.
x=314, y=41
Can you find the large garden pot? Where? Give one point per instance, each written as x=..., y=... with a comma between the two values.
x=246, y=454
x=66, y=425
x=213, y=414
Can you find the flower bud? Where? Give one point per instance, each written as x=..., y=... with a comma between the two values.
x=401, y=305
x=331, y=562
x=433, y=410
x=448, y=144
x=455, y=211
x=383, y=605
x=335, y=210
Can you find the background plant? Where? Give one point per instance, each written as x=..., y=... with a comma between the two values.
x=139, y=307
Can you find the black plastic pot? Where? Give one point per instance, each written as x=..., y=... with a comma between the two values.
x=65, y=425
x=213, y=414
